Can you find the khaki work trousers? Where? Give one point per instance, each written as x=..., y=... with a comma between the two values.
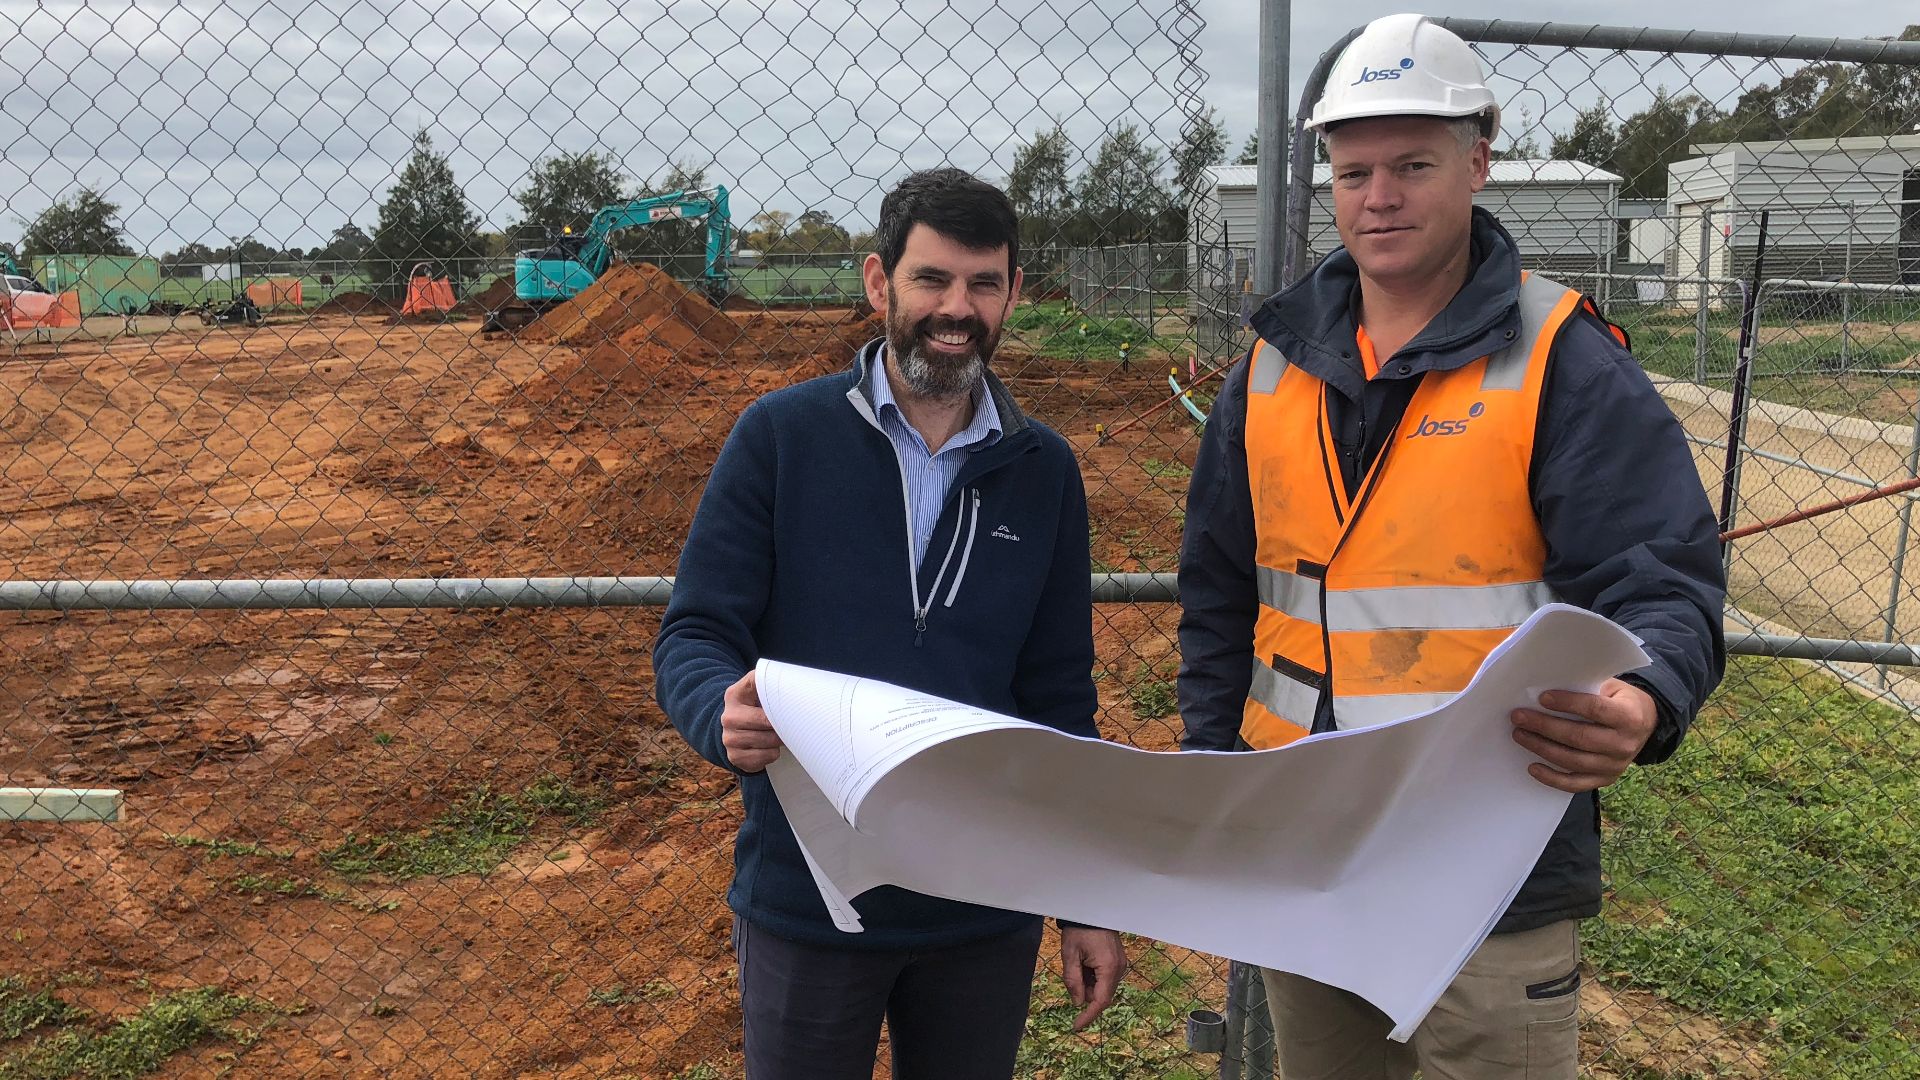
x=1511, y=1014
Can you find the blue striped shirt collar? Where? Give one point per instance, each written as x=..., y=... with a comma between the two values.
x=981, y=433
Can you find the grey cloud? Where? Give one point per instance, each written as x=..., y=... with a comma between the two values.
x=206, y=120
x=1233, y=26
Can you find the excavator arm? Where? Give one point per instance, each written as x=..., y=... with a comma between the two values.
x=546, y=277
x=596, y=251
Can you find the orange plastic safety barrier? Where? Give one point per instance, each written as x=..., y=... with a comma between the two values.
x=30, y=311
x=426, y=295
x=275, y=292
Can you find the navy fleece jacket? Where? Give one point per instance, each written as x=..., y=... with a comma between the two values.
x=800, y=552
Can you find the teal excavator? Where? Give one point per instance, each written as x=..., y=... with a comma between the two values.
x=544, y=277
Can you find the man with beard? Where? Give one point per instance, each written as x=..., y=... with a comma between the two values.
x=915, y=454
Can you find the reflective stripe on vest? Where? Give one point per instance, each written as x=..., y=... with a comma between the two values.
x=1390, y=599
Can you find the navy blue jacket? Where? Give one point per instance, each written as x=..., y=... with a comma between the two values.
x=799, y=553
x=1629, y=530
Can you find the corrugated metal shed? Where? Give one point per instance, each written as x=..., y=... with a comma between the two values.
x=1515, y=171
x=1836, y=206
x=1560, y=212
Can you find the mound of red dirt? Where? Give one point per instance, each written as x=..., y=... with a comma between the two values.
x=354, y=302
x=638, y=306
x=493, y=296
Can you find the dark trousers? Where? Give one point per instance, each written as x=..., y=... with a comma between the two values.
x=813, y=1012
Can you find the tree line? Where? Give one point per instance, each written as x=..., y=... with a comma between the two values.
x=1817, y=101
x=1123, y=189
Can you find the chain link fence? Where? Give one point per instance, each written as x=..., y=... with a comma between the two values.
x=382, y=818
x=1143, y=282
x=377, y=818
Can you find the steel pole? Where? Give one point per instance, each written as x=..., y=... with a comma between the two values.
x=1704, y=269
x=1846, y=298
x=1275, y=40
x=1900, y=542
x=1742, y=378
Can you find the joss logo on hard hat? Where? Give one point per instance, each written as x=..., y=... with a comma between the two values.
x=1406, y=65
x=1368, y=75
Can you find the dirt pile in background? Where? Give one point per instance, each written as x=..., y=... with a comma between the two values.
x=860, y=328
x=498, y=294
x=354, y=303
x=688, y=395
x=639, y=307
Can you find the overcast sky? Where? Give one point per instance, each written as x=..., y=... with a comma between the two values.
x=203, y=124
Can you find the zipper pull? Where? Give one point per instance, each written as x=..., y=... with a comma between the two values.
x=919, y=625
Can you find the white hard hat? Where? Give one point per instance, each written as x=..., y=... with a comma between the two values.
x=1405, y=65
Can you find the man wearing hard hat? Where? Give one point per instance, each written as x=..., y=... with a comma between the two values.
x=1425, y=444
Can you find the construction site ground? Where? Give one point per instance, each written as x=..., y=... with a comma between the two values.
x=262, y=753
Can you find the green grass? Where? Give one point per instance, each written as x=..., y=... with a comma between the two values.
x=135, y=1045
x=23, y=1009
x=1158, y=469
x=820, y=284
x=1871, y=396
x=613, y=997
x=1054, y=328
x=192, y=291
x=474, y=836
x=1141, y=1036
x=1767, y=875
x=1798, y=362
x=1672, y=351
x=1153, y=696
x=291, y=887
x=552, y=795
x=231, y=849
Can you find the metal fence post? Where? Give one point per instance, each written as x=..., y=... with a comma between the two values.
x=1742, y=385
x=1261, y=1045
x=1233, y=1057
x=1846, y=295
x=1271, y=258
x=1275, y=40
x=1704, y=269
x=1900, y=543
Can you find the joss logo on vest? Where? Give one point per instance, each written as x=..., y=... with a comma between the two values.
x=1430, y=427
x=1371, y=75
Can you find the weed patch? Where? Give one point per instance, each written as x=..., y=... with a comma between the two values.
x=474, y=836
x=1153, y=696
x=1141, y=1036
x=22, y=1009
x=229, y=849
x=135, y=1045
x=1054, y=328
x=1765, y=875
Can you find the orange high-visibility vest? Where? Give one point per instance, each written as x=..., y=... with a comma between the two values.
x=1391, y=599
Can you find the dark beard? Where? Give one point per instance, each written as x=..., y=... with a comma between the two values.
x=937, y=378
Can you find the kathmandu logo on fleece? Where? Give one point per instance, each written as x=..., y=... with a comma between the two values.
x=1431, y=427
x=1371, y=75
x=1001, y=532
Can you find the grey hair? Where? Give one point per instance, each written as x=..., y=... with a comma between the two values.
x=1468, y=130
